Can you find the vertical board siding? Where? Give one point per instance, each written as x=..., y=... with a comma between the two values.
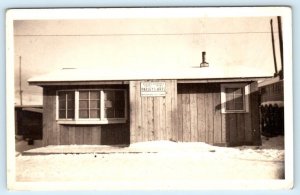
x=179, y=116
x=254, y=109
x=217, y=116
x=138, y=116
x=186, y=117
x=153, y=117
x=199, y=107
x=201, y=118
x=58, y=134
x=210, y=118
x=132, y=108
x=232, y=128
x=174, y=110
x=240, y=119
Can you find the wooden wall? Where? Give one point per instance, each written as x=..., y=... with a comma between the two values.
x=200, y=117
x=188, y=113
x=62, y=134
x=153, y=118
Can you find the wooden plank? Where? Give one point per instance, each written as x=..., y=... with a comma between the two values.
x=209, y=118
x=179, y=115
x=64, y=135
x=186, y=119
x=194, y=114
x=72, y=137
x=167, y=134
x=225, y=132
x=87, y=135
x=254, y=105
x=231, y=121
x=138, y=112
x=55, y=126
x=79, y=135
x=132, y=93
x=156, y=117
x=46, y=117
x=217, y=115
x=150, y=118
x=145, y=118
x=248, y=129
x=162, y=114
x=240, y=119
x=201, y=110
x=97, y=135
x=174, y=111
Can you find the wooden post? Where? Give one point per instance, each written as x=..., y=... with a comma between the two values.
x=20, y=80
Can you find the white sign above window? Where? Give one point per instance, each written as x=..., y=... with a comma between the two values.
x=153, y=89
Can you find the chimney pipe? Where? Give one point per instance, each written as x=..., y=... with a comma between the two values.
x=203, y=63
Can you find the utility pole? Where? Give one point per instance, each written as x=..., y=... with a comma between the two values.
x=280, y=44
x=273, y=47
x=20, y=79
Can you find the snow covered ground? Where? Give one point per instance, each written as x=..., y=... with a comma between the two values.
x=148, y=161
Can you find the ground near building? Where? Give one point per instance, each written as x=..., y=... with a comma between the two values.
x=148, y=161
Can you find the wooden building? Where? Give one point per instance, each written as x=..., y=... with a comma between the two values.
x=84, y=106
x=29, y=121
x=272, y=106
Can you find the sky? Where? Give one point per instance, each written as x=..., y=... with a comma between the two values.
x=235, y=43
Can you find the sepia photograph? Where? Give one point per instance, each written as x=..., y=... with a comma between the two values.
x=149, y=98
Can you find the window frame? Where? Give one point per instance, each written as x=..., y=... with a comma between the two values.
x=102, y=119
x=246, y=93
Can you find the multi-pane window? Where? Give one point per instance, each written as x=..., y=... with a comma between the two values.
x=66, y=104
x=100, y=105
x=234, y=97
x=114, y=104
x=89, y=104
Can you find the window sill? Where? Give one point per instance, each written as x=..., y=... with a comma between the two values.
x=91, y=122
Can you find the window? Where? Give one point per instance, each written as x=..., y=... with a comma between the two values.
x=234, y=98
x=66, y=104
x=89, y=104
x=99, y=106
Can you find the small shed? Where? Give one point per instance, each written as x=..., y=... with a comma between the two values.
x=122, y=106
x=29, y=121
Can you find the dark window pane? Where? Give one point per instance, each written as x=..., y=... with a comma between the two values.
x=70, y=95
x=95, y=95
x=62, y=113
x=239, y=99
x=62, y=104
x=239, y=106
x=70, y=114
x=83, y=114
x=94, y=113
x=83, y=104
x=62, y=95
x=83, y=95
x=109, y=113
x=234, y=98
x=230, y=105
x=109, y=95
x=119, y=113
x=94, y=104
x=71, y=104
x=119, y=99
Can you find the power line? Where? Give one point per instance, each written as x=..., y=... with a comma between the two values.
x=144, y=34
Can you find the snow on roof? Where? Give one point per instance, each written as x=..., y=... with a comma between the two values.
x=121, y=74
